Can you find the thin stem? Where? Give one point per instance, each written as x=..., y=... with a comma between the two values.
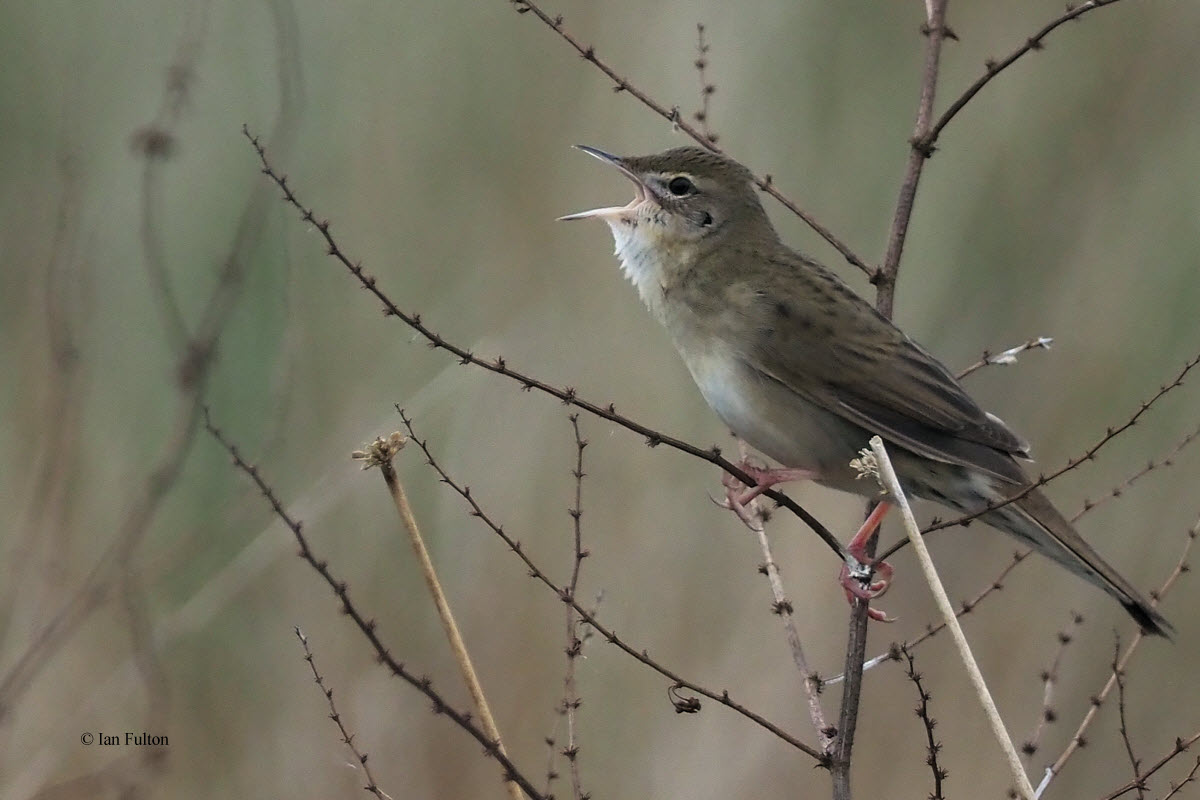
x=884, y=279
x=1182, y=745
x=994, y=68
x=1047, y=714
x=1139, y=780
x=368, y=627
x=919, y=152
x=1008, y=356
x=783, y=607
x=383, y=452
x=347, y=737
x=723, y=697
x=891, y=482
x=1078, y=740
x=571, y=700
x=932, y=746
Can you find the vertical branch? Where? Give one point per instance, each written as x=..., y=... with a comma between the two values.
x=1139, y=780
x=932, y=746
x=920, y=149
x=884, y=279
x=782, y=606
x=571, y=701
x=706, y=89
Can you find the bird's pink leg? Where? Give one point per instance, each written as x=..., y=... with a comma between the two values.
x=857, y=548
x=738, y=495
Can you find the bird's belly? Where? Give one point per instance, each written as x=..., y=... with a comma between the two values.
x=778, y=422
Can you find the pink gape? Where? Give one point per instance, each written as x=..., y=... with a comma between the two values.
x=739, y=495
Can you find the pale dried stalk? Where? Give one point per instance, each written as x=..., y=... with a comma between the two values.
x=887, y=476
x=380, y=454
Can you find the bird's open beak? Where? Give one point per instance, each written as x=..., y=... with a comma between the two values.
x=611, y=212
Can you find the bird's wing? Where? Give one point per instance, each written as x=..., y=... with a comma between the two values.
x=837, y=351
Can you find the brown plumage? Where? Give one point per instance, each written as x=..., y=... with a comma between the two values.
x=806, y=371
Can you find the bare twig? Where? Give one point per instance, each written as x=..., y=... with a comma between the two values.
x=782, y=606
x=891, y=482
x=1166, y=460
x=706, y=89
x=642, y=656
x=1189, y=778
x=1139, y=781
x=884, y=279
x=1047, y=714
x=1182, y=745
x=369, y=628
x=994, y=68
x=571, y=700
x=1008, y=356
x=932, y=746
x=347, y=737
x=500, y=367
x=672, y=115
x=1078, y=739
x=920, y=149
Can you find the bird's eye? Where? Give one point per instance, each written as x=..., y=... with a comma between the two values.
x=680, y=186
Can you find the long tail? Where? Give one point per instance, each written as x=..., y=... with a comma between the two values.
x=1033, y=520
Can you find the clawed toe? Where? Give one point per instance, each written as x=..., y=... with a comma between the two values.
x=853, y=580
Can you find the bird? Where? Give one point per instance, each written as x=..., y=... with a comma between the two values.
x=804, y=370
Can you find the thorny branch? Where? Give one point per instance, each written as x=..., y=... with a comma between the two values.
x=994, y=68
x=1047, y=714
x=782, y=607
x=1078, y=740
x=1181, y=745
x=672, y=115
x=499, y=366
x=347, y=737
x=932, y=746
x=685, y=705
x=884, y=279
x=369, y=627
x=571, y=700
x=1139, y=780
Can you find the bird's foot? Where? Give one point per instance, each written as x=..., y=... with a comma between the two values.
x=740, y=497
x=860, y=570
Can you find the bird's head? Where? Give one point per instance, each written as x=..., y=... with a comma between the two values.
x=685, y=198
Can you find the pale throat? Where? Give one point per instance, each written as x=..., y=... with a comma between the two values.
x=648, y=255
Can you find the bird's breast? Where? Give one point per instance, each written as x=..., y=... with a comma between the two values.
x=774, y=420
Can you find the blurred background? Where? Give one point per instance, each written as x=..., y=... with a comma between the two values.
x=146, y=587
